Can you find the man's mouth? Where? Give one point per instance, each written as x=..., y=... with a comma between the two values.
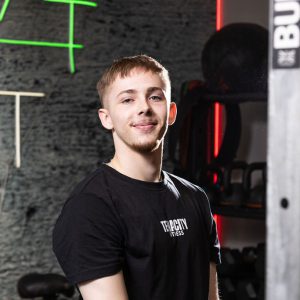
x=144, y=125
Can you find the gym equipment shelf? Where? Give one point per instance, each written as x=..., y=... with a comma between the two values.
x=239, y=212
x=236, y=98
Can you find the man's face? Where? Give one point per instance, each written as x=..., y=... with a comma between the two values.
x=137, y=111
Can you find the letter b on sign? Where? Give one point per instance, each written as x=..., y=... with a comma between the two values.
x=286, y=37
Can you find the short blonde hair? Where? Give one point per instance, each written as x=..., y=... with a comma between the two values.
x=125, y=65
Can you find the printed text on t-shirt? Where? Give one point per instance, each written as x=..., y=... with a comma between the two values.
x=174, y=227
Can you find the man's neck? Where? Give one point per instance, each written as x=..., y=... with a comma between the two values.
x=141, y=166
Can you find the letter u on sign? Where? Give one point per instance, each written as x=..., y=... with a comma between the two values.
x=286, y=34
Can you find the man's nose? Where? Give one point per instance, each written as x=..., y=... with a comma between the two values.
x=144, y=106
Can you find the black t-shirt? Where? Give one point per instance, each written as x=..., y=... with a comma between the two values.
x=161, y=234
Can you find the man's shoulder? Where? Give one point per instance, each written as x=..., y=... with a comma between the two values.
x=91, y=193
x=93, y=184
x=182, y=183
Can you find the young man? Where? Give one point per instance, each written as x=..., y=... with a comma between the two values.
x=130, y=230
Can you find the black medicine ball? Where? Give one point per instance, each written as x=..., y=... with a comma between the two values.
x=235, y=59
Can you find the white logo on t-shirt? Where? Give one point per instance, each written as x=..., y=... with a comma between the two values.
x=174, y=227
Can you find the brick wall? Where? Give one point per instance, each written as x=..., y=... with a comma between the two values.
x=61, y=136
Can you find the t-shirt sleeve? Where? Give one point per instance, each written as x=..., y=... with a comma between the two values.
x=214, y=245
x=87, y=239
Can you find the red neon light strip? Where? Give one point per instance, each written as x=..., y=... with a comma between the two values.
x=218, y=114
x=217, y=135
x=217, y=106
x=219, y=15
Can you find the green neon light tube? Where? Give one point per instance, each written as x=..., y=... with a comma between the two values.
x=79, y=2
x=42, y=44
x=70, y=45
x=3, y=9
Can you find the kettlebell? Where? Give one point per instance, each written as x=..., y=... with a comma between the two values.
x=234, y=192
x=255, y=196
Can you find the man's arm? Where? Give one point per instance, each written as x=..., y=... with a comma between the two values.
x=213, y=283
x=106, y=288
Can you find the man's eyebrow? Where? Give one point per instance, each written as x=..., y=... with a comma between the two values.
x=154, y=88
x=149, y=90
x=130, y=91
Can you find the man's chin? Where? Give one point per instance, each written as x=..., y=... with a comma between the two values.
x=145, y=147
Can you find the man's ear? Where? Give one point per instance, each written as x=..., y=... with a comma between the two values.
x=172, y=113
x=105, y=118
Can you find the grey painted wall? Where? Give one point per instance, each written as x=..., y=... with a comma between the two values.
x=255, y=11
x=61, y=136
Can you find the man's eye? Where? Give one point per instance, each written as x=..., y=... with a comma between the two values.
x=156, y=98
x=127, y=100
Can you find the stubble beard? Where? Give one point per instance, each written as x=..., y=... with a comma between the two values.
x=150, y=146
x=146, y=147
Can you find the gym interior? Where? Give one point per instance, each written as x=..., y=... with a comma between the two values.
x=235, y=79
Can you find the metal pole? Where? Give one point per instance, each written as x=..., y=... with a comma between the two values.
x=17, y=131
x=283, y=204
x=17, y=119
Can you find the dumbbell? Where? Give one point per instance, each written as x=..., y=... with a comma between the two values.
x=234, y=192
x=231, y=263
x=227, y=289
x=261, y=290
x=250, y=290
x=247, y=289
x=260, y=261
x=46, y=286
x=255, y=196
x=249, y=257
